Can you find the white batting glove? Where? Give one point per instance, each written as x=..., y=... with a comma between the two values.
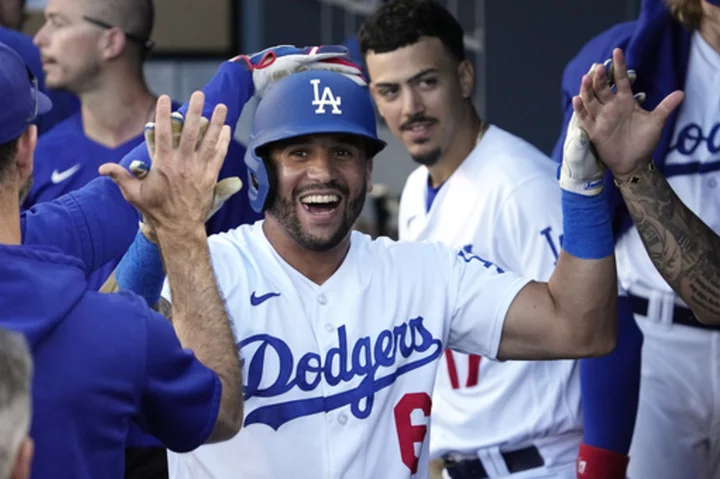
x=581, y=172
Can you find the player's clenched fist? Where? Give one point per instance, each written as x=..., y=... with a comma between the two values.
x=177, y=192
x=623, y=133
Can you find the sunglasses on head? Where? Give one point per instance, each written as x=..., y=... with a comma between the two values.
x=145, y=43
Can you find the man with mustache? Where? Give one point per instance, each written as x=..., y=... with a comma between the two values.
x=483, y=189
x=339, y=334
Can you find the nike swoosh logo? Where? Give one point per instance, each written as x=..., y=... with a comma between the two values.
x=60, y=176
x=258, y=300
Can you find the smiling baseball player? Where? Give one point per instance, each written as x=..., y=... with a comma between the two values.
x=340, y=335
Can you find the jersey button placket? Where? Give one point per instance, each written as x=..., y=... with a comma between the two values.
x=325, y=343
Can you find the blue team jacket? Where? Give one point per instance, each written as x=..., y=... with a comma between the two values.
x=103, y=363
x=657, y=48
x=94, y=223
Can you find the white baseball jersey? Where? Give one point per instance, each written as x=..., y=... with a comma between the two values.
x=675, y=432
x=692, y=166
x=503, y=204
x=338, y=377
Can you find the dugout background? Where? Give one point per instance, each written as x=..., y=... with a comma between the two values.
x=518, y=48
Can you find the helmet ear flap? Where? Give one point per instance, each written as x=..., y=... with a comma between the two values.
x=271, y=182
x=258, y=180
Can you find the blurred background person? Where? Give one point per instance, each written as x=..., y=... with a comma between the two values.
x=12, y=21
x=16, y=369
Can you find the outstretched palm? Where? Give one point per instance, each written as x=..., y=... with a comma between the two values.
x=623, y=133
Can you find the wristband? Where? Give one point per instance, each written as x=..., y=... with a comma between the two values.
x=598, y=463
x=587, y=228
x=634, y=179
x=141, y=270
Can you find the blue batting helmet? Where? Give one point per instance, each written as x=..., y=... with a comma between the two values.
x=305, y=103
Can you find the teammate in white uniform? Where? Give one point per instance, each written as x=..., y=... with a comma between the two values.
x=340, y=335
x=677, y=426
x=484, y=190
x=694, y=141
x=503, y=202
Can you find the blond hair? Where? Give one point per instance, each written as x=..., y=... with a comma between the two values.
x=687, y=12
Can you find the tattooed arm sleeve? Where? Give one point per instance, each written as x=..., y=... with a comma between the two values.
x=684, y=250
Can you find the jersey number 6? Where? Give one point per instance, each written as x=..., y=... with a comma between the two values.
x=408, y=434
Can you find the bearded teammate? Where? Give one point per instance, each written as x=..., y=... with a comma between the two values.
x=339, y=334
x=491, y=193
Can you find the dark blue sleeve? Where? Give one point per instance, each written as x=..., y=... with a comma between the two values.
x=232, y=86
x=181, y=397
x=94, y=224
x=610, y=387
x=236, y=211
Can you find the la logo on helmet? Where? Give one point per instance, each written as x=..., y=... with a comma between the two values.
x=327, y=99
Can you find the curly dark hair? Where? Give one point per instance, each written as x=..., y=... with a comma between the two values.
x=399, y=23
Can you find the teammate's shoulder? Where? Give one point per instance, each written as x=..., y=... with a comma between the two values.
x=63, y=135
x=123, y=304
x=415, y=185
x=120, y=318
x=508, y=159
x=384, y=250
x=242, y=242
x=418, y=175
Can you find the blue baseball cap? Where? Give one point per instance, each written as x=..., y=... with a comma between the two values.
x=20, y=98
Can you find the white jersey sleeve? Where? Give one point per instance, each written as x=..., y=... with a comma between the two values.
x=480, y=295
x=527, y=234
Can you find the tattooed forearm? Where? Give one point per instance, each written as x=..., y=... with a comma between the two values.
x=684, y=250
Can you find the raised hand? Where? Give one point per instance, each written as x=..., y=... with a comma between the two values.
x=177, y=193
x=622, y=132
